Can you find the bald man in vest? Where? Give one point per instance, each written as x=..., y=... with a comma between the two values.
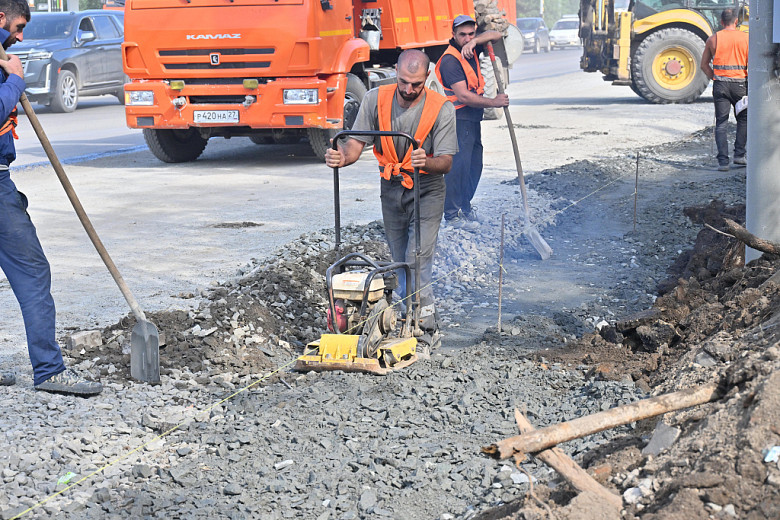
x=408, y=107
x=459, y=73
x=728, y=51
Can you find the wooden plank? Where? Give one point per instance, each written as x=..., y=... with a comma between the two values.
x=550, y=436
x=570, y=470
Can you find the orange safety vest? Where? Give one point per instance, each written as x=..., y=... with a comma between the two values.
x=10, y=124
x=730, y=62
x=474, y=79
x=388, y=158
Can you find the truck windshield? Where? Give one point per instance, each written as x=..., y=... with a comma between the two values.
x=48, y=28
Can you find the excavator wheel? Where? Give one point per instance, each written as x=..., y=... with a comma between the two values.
x=319, y=138
x=665, y=67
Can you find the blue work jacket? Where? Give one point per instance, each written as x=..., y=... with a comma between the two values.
x=11, y=89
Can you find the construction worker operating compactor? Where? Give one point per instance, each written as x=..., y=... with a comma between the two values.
x=408, y=107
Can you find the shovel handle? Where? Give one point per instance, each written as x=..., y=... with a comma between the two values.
x=74, y=200
x=515, y=149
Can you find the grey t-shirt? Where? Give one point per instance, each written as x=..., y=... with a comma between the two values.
x=442, y=140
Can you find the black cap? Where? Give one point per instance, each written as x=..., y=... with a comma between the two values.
x=461, y=19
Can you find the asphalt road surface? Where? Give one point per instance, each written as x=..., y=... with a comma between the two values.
x=551, y=64
x=97, y=127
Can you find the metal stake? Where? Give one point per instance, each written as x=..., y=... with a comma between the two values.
x=636, y=188
x=500, y=272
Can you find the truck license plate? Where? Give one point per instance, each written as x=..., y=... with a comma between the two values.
x=215, y=116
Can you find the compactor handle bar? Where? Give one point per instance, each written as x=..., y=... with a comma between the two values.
x=336, y=200
x=415, y=189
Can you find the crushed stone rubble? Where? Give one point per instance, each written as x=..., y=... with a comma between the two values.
x=231, y=432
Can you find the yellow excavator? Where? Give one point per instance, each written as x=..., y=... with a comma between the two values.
x=653, y=46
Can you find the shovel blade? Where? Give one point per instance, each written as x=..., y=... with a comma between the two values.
x=145, y=352
x=540, y=244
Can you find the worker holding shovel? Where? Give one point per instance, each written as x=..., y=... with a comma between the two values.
x=459, y=73
x=21, y=256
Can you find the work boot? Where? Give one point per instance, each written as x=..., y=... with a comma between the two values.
x=472, y=215
x=69, y=382
x=7, y=379
x=740, y=161
x=723, y=168
x=461, y=223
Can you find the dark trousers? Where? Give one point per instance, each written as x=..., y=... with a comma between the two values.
x=24, y=264
x=463, y=178
x=726, y=94
x=398, y=215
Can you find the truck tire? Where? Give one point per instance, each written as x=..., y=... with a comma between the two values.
x=491, y=87
x=635, y=89
x=319, y=138
x=66, y=93
x=665, y=67
x=175, y=146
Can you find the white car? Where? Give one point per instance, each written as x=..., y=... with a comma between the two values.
x=565, y=33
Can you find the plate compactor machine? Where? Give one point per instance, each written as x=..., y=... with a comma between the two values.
x=367, y=334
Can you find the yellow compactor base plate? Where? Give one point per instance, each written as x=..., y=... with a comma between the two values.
x=339, y=352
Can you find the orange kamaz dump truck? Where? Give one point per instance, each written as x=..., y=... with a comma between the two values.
x=272, y=70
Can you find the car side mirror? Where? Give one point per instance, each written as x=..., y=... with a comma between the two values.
x=85, y=36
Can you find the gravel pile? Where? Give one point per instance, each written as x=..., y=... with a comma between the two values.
x=290, y=445
x=402, y=446
x=230, y=432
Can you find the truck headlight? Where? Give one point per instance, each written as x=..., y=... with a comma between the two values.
x=300, y=96
x=139, y=97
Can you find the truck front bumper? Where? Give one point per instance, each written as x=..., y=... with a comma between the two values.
x=234, y=105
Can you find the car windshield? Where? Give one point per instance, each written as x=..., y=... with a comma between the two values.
x=527, y=24
x=48, y=28
x=564, y=25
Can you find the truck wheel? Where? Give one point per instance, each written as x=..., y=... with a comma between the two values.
x=175, y=146
x=491, y=87
x=665, y=67
x=635, y=89
x=319, y=138
x=66, y=93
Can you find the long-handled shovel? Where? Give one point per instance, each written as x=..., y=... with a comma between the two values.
x=541, y=246
x=145, y=340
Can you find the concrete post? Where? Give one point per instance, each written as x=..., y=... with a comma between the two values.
x=763, y=169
